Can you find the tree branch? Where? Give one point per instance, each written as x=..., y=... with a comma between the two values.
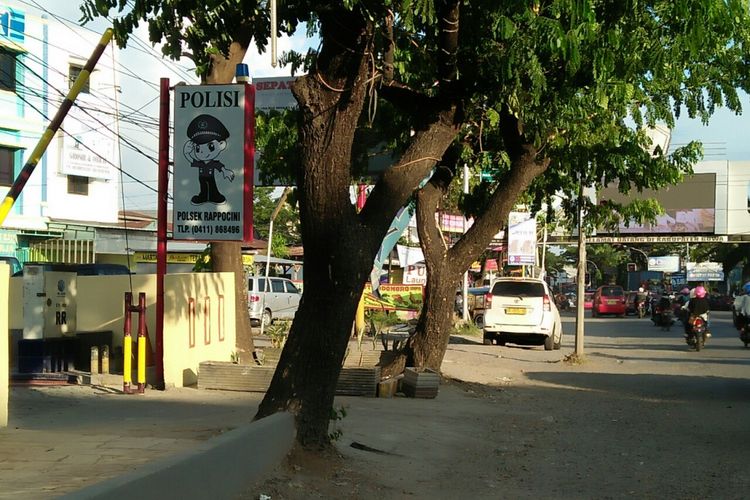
x=448, y=46
x=524, y=168
x=405, y=98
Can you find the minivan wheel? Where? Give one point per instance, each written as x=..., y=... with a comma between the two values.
x=267, y=319
x=549, y=342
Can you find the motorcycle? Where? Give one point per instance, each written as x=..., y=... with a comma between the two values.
x=744, y=329
x=641, y=307
x=665, y=318
x=696, y=336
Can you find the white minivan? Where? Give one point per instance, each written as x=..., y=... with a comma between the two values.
x=521, y=311
x=271, y=298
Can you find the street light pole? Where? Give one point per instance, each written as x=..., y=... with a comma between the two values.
x=581, y=274
x=595, y=266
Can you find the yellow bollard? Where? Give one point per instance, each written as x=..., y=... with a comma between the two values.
x=141, y=363
x=142, y=343
x=127, y=364
x=359, y=318
x=94, y=357
x=105, y=359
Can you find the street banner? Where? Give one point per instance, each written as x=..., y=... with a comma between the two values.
x=705, y=271
x=394, y=297
x=521, y=239
x=213, y=162
x=666, y=263
x=415, y=274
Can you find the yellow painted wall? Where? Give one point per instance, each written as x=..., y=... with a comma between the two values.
x=4, y=344
x=15, y=301
x=206, y=334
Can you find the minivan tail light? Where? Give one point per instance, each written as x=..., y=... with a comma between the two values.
x=487, y=300
x=547, y=306
x=254, y=298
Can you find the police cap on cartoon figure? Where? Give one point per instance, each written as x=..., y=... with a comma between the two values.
x=207, y=139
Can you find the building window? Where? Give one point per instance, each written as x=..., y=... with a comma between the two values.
x=7, y=166
x=7, y=70
x=73, y=72
x=78, y=185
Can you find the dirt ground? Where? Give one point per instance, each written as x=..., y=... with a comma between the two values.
x=632, y=421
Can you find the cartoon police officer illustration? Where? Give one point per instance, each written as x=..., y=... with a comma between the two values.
x=207, y=139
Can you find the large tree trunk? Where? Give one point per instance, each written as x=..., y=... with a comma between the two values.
x=227, y=255
x=426, y=348
x=336, y=247
x=340, y=244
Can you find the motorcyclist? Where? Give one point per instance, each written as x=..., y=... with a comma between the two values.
x=742, y=307
x=641, y=298
x=697, y=306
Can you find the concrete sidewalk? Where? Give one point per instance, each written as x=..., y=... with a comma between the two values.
x=62, y=438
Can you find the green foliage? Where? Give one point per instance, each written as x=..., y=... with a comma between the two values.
x=204, y=264
x=286, y=231
x=276, y=140
x=278, y=331
x=466, y=328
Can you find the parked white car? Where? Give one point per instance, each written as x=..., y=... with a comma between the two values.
x=522, y=311
x=271, y=298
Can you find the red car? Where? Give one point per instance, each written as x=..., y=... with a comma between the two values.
x=609, y=299
x=588, y=300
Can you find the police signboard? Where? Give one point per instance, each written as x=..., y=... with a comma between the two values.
x=213, y=162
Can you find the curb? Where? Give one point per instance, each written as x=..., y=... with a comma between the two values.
x=221, y=467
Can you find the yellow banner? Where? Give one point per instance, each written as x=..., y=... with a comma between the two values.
x=182, y=258
x=395, y=297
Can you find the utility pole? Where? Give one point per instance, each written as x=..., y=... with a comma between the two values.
x=275, y=212
x=465, y=286
x=581, y=278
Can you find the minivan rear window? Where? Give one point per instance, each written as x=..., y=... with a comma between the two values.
x=612, y=291
x=518, y=289
x=261, y=285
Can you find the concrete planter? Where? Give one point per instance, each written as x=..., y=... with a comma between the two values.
x=228, y=376
x=358, y=381
x=224, y=375
x=420, y=384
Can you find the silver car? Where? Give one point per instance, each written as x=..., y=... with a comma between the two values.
x=271, y=298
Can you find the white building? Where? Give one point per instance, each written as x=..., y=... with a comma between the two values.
x=77, y=179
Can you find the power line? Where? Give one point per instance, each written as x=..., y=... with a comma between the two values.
x=149, y=51
x=90, y=115
x=106, y=160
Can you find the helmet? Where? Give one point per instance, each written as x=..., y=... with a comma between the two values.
x=700, y=292
x=685, y=291
x=640, y=289
x=746, y=287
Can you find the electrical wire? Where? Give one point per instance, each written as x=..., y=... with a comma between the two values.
x=106, y=160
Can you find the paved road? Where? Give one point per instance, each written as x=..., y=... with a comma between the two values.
x=634, y=339
x=643, y=417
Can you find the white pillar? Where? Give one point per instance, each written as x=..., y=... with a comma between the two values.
x=4, y=344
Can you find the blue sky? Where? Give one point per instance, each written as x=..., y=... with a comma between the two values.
x=726, y=136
